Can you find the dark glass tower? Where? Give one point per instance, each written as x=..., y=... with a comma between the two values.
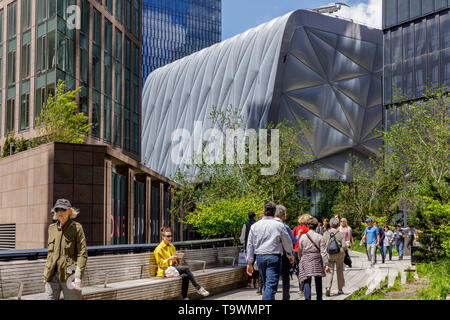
x=416, y=47
x=173, y=29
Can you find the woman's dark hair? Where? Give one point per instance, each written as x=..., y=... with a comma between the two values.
x=270, y=208
x=386, y=226
x=312, y=223
x=326, y=219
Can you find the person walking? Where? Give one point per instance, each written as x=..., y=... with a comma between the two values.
x=347, y=231
x=324, y=228
x=313, y=259
x=267, y=240
x=166, y=256
x=399, y=240
x=380, y=247
x=253, y=280
x=411, y=236
x=286, y=265
x=372, y=237
x=335, y=258
x=297, y=232
x=387, y=244
x=67, y=254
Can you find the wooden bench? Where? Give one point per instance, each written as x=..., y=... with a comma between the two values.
x=128, y=276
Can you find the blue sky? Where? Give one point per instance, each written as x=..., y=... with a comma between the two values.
x=241, y=15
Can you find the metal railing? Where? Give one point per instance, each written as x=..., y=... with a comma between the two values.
x=34, y=254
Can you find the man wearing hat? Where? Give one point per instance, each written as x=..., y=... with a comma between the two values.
x=372, y=234
x=399, y=240
x=67, y=254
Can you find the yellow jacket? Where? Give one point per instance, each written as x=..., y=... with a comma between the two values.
x=163, y=252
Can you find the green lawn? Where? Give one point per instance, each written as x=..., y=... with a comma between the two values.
x=438, y=275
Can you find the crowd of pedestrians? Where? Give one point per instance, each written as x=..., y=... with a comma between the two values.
x=309, y=251
x=312, y=250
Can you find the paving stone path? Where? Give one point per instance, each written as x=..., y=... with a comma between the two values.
x=357, y=277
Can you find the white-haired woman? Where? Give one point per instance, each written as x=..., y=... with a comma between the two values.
x=67, y=254
x=335, y=259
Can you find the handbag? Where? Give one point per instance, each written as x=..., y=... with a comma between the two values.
x=172, y=272
x=347, y=260
x=242, y=258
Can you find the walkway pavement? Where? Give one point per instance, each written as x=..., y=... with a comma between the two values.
x=359, y=276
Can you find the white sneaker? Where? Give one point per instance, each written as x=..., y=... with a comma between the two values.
x=203, y=292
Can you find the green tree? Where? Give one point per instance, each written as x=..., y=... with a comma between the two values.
x=235, y=182
x=224, y=217
x=59, y=121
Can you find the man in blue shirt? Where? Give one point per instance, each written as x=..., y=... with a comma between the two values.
x=372, y=234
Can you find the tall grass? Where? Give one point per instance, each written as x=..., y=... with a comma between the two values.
x=438, y=275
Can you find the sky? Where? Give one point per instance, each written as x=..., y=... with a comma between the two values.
x=241, y=15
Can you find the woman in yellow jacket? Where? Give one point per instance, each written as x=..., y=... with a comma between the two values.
x=166, y=255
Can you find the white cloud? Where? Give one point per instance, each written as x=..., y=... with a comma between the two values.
x=366, y=13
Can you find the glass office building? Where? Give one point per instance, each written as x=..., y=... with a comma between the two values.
x=173, y=29
x=39, y=47
x=416, y=47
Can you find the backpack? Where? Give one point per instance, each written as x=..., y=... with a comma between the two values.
x=333, y=246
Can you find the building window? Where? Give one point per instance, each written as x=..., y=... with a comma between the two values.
x=117, y=125
x=107, y=120
x=118, y=82
x=137, y=19
x=118, y=53
x=445, y=29
x=108, y=36
x=421, y=37
x=126, y=129
x=97, y=27
x=26, y=14
x=25, y=61
x=40, y=101
x=96, y=114
x=119, y=10
x=433, y=33
x=10, y=108
x=109, y=5
x=128, y=14
x=136, y=133
x=25, y=111
x=107, y=75
x=11, y=71
x=85, y=8
x=12, y=20
x=96, y=67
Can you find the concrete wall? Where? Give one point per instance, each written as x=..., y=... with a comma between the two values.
x=26, y=194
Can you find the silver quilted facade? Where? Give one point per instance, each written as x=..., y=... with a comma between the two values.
x=301, y=65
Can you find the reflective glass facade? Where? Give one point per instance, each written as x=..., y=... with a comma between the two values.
x=416, y=52
x=38, y=47
x=173, y=29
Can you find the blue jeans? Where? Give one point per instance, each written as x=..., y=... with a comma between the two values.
x=285, y=268
x=383, y=256
x=318, y=281
x=399, y=248
x=269, y=269
x=386, y=249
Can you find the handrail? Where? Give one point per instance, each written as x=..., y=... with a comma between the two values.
x=34, y=254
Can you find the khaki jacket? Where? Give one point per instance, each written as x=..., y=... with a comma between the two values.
x=341, y=242
x=66, y=247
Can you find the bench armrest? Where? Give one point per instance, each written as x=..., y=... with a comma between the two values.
x=198, y=261
x=227, y=257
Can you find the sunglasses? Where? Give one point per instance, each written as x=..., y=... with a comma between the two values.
x=169, y=236
x=59, y=209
